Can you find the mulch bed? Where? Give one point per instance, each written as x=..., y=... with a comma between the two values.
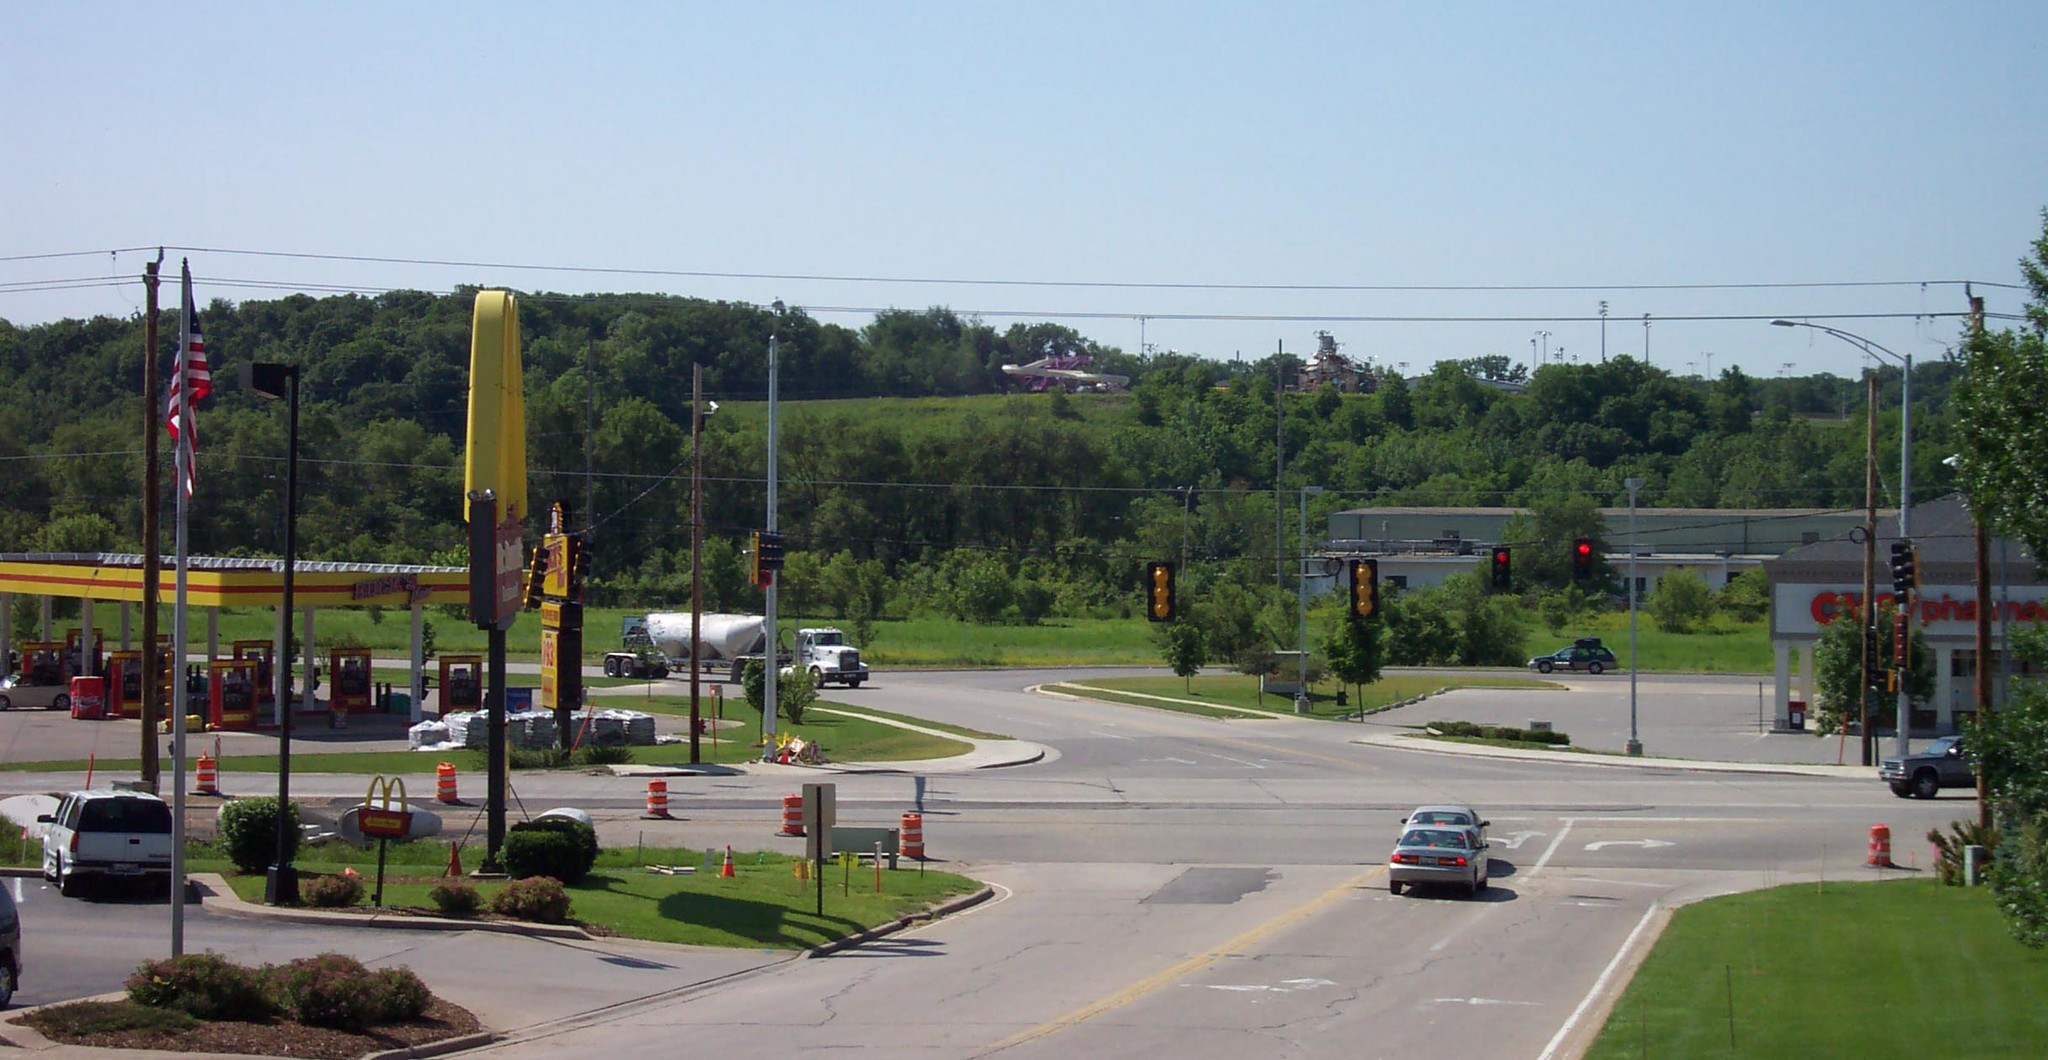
x=284, y=1037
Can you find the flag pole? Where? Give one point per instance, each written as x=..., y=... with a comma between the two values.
x=180, y=690
x=152, y=502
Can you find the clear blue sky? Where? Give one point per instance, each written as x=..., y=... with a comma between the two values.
x=1399, y=145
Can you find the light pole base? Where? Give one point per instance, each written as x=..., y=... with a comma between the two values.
x=1634, y=748
x=281, y=885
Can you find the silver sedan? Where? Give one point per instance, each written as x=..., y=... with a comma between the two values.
x=1454, y=857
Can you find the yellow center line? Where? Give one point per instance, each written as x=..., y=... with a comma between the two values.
x=1187, y=967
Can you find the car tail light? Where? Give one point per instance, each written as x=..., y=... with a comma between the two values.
x=1459, y=860
x=74, y=842
x=1406, y=859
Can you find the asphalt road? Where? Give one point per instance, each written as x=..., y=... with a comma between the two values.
x=1170, y=882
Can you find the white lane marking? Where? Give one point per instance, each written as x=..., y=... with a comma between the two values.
x=1617, y=883
x=1110, y=735
x=1646, y=844
x=1239, y=761
x=1599, y=985
x=1515, y=840
x=1175, y=761
x=1475, y=1001
x=1285, y=986
x=1552, y=848
x=17, y=890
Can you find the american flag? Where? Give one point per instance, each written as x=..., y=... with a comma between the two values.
x=191, y=375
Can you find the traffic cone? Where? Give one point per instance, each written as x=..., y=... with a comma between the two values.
x=725, y=871
x=454, y=859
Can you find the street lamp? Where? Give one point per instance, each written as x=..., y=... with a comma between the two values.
x=1301, y=593
x=1634, y=745
x=1900, y=738
x=281, y=883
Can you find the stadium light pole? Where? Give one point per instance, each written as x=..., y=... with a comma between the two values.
x=281, y=884
x=1901, y=740
x=1635, y=745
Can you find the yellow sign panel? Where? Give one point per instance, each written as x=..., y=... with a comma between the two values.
x=555, y=582
x=550, y=666
x=496, y=441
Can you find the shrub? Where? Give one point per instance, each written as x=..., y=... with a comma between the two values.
x=560, y=847
x=455, y=898
x=595, y=755
x=204, y=985
x=331, y=892
x=248, y=832
x=400, y=994
x=537, y=757
x=80, y=1019
x=330, y=990
x=540, y=899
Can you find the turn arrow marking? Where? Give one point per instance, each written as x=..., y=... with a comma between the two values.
x=1646, y=844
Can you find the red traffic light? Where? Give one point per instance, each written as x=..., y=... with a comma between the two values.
x=1582, y=559
x=1585, y=549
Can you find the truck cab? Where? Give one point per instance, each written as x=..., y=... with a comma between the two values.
x=1945, y=763
x=825, y=653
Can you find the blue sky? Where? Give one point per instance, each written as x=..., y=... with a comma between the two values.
x=1652, y=150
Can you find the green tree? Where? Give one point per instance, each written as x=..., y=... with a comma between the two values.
x=1746, y=597
x=1354, y=652
x=1680, y=601
x=1838, y=671
x=1185, y=650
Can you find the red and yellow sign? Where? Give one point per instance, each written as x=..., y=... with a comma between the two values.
x=384, y=814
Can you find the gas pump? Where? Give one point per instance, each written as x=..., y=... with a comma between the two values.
x=260, y=652
x=74, y=659
x=231, y=687
x=461, y=683
x=351, y=693
x=42, y=663
x=124, y=684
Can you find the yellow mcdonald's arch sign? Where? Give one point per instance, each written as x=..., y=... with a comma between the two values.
x=496, y=457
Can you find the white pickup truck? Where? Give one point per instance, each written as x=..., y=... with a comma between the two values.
x=103, y=836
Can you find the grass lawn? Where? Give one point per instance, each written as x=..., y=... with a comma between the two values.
x=1235, y=695
x=1822, y=971
x=845, y=739
x=764, y=905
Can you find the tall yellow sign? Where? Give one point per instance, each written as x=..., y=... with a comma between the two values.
x=496, y=444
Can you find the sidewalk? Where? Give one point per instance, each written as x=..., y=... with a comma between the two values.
x=1421, y=743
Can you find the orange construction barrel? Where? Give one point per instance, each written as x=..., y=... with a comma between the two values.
x=444, y=782
x=910, y=839
x=1880, y=847
x=657, y=799
x=792, y=815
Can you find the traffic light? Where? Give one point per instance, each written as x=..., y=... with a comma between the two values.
x=771, y=551
x=1159, y=602
x=578, y=552
x=1502, y=577
x=536, y=576
x=763, y=574
x=1905, y=567
x=1901, y=642
x=1365, y=587
x=1582, y=559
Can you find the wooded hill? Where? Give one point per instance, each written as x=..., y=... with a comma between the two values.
x=906, y=475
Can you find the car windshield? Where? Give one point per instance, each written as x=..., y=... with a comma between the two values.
x=1429, y=837
x=125, y=815
x=1441, y=817
x=1941, y=746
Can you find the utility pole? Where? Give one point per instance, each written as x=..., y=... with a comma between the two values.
x=1646, y=338
x=152, y=562
x=774, y=663
x=589, y=429
x=1869, y=609
x=1279, y=473
x=1984, y=704
x=1603, y=331
x=696, y=546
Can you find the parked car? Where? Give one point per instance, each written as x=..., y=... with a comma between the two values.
x=1449, y=856
x=10, y=946
x=1441, y=814
x=1945, y=763
x=15, y=693
x=99, y=836
x=1586, y=653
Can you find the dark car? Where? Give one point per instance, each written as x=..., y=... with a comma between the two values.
x=1586, y=653
x=1945, y=763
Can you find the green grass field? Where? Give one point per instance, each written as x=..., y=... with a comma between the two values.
x=763, y=905
x=937, y=643
x=1234, y=695
x=1896, y=968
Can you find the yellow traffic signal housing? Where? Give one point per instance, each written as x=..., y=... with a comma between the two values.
x=1159, y=602
x=1365, y=587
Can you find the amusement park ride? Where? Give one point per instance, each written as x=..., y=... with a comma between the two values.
x=1064, y=372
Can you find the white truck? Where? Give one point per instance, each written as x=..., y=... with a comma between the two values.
x=657, y=645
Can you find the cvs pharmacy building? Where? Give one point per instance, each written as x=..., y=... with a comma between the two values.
x=1820, y=584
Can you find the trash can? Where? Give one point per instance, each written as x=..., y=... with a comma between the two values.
x=518, y=699
x=89, y=698
x=1795, y=714
x=399, y=702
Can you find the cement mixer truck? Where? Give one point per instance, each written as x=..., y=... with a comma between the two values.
x=657, y=645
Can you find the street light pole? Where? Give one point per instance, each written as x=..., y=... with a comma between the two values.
x=1635, y=745
x=281, y=884
x=1301, y=594
x=1901, y=739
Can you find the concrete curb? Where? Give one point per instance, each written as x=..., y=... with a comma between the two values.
x=441, y=1048
x=216, y=896
x=1423, y=745
x=901, y=923
x=28, y=1038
